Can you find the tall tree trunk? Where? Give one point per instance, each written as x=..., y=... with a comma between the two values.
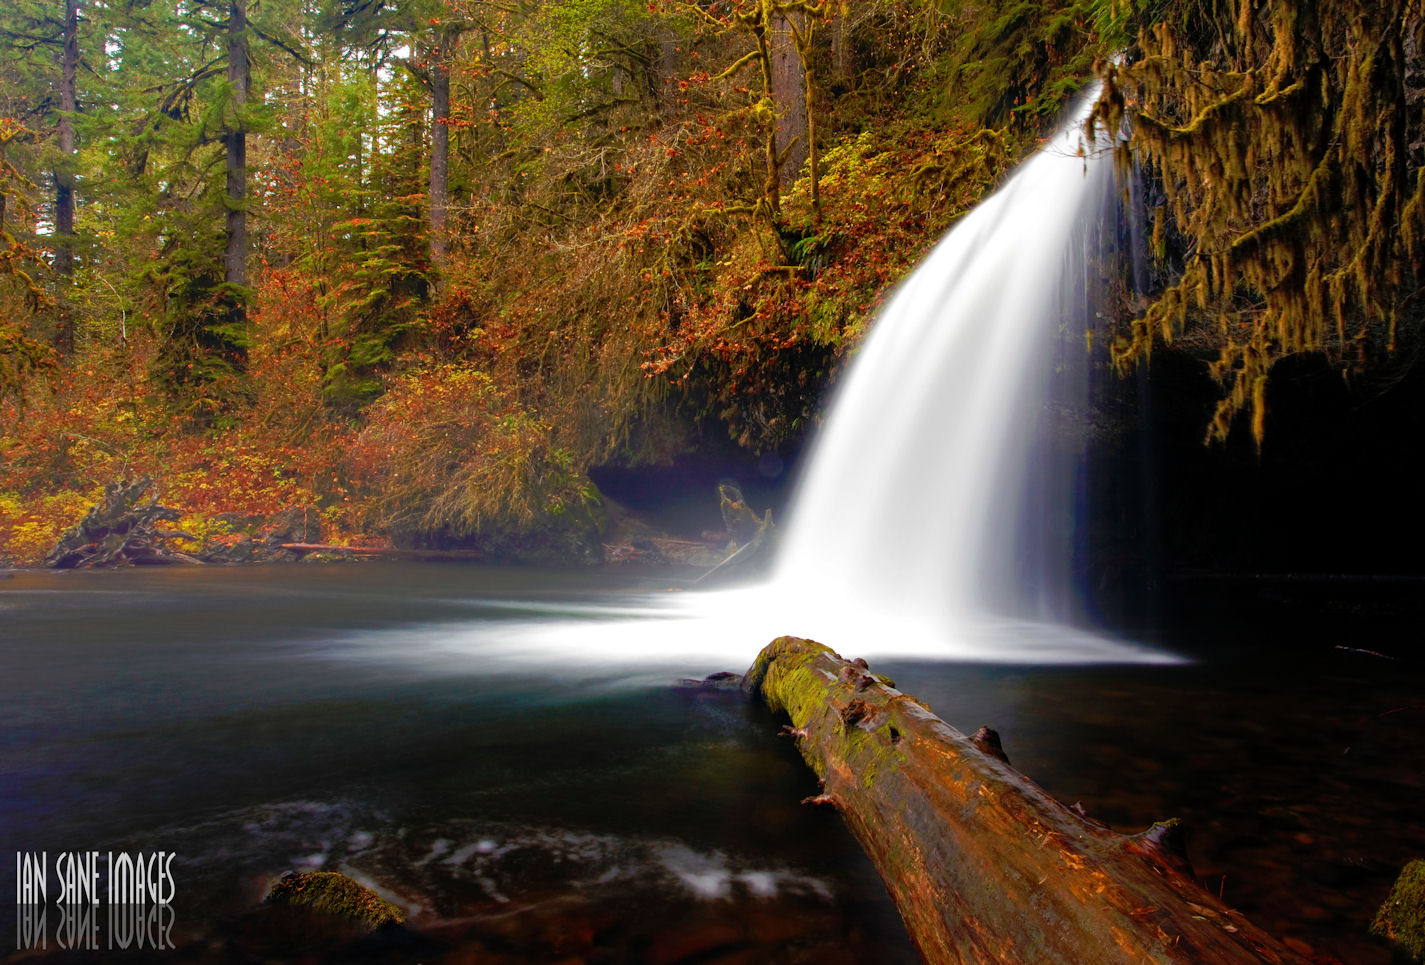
x=239, y=77
x=805, y=37
x=772, y=186
x=842, y=57
x=64, y=174
x=440, y=143
x=789, y=93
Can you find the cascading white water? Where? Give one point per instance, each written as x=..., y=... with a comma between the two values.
x=906, y=533
x=910, y=508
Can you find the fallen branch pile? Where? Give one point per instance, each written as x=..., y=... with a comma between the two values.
x=121, y=529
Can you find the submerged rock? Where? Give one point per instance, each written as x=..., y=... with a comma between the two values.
x=334, y=894
x=722, y=680
x=1402, y=918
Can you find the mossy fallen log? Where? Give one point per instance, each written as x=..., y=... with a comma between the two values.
x=1401, y=918
x=983, y=864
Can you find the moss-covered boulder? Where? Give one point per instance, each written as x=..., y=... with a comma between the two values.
x=334, y=894
x=1402, y=918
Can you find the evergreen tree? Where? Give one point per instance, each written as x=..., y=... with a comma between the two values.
x=39, y=42
x=188, y=79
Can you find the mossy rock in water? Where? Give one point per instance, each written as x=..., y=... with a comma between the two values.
x=1402, y=918
x=332, y=893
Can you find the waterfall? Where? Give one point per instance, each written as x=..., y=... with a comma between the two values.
x=937, y=503
x=925, y=508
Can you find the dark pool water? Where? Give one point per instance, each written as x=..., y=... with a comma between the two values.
x=532, y=804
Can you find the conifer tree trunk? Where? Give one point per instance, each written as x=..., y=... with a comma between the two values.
x=64, y=171
x=239, y=77
x=440, y=143
x=789, y=92
x=842, y=58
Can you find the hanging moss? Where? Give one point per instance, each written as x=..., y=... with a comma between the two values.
x=1288, y=144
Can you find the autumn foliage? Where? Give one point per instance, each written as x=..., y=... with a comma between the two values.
x=613, y=286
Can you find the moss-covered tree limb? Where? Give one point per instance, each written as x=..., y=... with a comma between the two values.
x=983, y=864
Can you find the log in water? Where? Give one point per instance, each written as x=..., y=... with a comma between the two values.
x=984, y=865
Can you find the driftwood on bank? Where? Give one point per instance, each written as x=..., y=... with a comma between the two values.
x=121, y=528
x=753, y=537
x=301, y=549
x=983, y=864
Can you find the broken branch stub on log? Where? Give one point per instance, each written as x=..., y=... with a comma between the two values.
x=982, y=863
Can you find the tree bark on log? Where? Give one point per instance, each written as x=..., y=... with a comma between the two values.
x=983, y=864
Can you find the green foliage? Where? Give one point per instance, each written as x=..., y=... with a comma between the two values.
x=378, y=306
x=583, y=57
x=1117, y=22
x=614, y=286
x=383, y=277
x=203, y=356
x=1016, y=62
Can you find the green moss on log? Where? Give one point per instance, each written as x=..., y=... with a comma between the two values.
x=777, y=676
x=983, y=865
x=334, y=894
x=1402, y=918
x=793, y=676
